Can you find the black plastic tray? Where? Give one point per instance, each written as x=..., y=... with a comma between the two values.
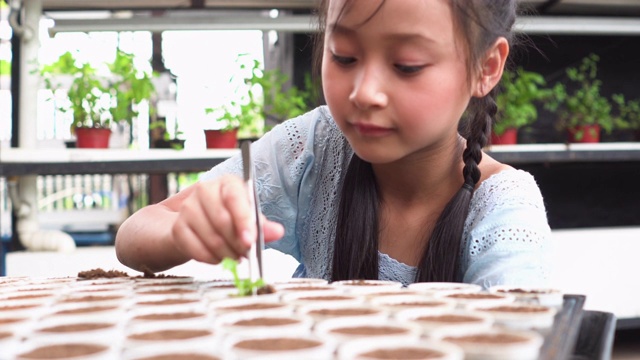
x=560, y=341
x=595, y=340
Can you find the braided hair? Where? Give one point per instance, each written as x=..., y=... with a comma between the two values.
x=481, y=22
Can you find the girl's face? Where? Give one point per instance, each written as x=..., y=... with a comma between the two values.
x=394, y=76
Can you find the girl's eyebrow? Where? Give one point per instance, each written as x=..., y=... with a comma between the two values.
x=340, y=29
x=395, y=37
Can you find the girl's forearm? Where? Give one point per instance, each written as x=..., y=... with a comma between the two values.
x=143, y=241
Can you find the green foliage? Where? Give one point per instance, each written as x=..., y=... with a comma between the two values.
x=128, y=87
x=629, y=111
x=262, y=98
x=5, y=67
x=521, y=90
x=94, y=101
x=585, y=105
x=245, y=286
x=84, y=93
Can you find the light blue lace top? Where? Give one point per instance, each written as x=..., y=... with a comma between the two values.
x=299, y=169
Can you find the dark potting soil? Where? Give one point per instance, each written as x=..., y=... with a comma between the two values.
x=450, y=318
x=63, y=351
x=256, y=306
x=265, y=321
x=266, y=289
x=473, y=296
x=169, y=316
x=91, y=298
x=181, y=356
x=416, y=304
x=326, y=298
x=100, y=273
x=167, y=291
x=524, y=291
x=168, y=302
x=343, y=312
x=369, y=330
x=76, y=327
x=28, y=296
x=85, y=310
x=518, y=309
x=275, y=344
x=497, y=338
x=407, y=353
x=8, y=321
x=170, y=335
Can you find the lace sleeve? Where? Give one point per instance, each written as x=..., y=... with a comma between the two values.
x=506, y=239
x=282, y=158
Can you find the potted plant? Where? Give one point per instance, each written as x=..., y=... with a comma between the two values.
x=262, y=98
x=521, y=90
x=86, y=99
x=629, y=112
x=583, y=112
x=97, y=102
x=128, y=87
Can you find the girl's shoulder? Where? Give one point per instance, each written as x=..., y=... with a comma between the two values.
x=507, y=180
x=507, y=187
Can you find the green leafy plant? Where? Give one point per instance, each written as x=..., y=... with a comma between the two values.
x=584, y=105
x=5, y=67
x=245, y=286
x=628, y=110
x=262, y=97
x=98, y=101
x=128, y=87
x=85, y=93
x=521, y=91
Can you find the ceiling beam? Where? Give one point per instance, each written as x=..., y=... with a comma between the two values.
x=305, y=24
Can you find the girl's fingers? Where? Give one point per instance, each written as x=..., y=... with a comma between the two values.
x=188, y=242
x=235, y=198
x=272, y=230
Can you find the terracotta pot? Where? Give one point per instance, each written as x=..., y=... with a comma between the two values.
x=94, y=138
x=218, y=139
x=509, y=137
x=589, y=134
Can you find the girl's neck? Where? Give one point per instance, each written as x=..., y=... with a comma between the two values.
x=422, y=177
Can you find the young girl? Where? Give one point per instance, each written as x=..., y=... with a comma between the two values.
x=385, y=181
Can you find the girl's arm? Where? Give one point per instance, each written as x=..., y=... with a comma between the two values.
x=207, y=221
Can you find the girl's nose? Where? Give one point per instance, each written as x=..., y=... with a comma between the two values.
x=368, y=89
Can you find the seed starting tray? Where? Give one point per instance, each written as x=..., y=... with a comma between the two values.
x=560, y=342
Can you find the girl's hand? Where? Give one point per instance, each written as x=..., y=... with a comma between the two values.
x=216, y=221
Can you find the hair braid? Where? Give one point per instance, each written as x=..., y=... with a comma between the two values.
x=441, y=258
x=478, y=132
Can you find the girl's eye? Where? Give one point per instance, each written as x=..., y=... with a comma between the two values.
x=343, y=60
x=406, y=69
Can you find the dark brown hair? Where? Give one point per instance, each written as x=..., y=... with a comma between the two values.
x=480, y=23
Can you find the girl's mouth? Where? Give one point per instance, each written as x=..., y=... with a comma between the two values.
x=371, y=130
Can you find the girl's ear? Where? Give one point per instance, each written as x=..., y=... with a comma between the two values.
x=492, y=67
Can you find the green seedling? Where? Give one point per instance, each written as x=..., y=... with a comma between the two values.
x=245, y=286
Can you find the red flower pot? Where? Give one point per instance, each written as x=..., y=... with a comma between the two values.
x=509, y=137
x=584, y=134
x=218, y=139
x=92, y=138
